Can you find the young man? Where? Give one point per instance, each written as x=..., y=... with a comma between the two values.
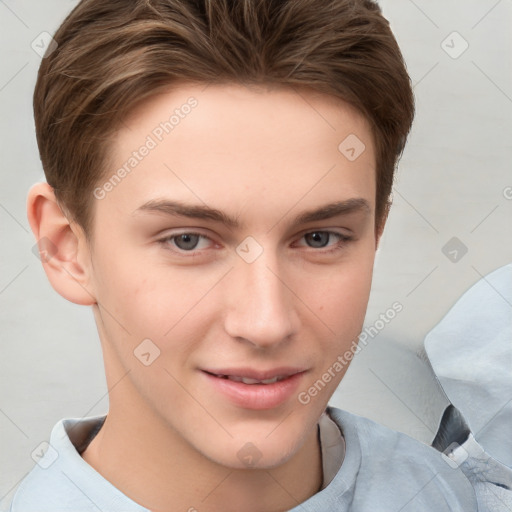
x=218, y=180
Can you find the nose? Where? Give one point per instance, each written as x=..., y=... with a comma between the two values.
x=261, y=304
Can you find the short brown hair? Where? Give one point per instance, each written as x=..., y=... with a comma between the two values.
x=112, y=54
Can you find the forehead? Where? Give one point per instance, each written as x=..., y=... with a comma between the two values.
x=250, y=115
x=236, y=146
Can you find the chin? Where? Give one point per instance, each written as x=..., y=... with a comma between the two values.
x=261, y=452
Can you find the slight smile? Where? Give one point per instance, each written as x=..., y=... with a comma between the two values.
x=252, y=389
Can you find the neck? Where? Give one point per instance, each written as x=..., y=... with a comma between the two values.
x=155, y=467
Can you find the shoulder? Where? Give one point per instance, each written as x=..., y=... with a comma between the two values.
x=62, y=481
x=392, y=467
x=48, y=486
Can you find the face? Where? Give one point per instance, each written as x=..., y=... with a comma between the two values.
x=216, y=259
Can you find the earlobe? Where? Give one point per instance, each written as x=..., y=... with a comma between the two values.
x=62, y=247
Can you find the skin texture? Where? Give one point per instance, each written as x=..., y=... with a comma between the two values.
x=171, y=441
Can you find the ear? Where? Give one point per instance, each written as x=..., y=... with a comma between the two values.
x=63, y=249
x=382, y=223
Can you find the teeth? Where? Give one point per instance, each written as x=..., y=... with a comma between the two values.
x=247, y=380
x=238, y=379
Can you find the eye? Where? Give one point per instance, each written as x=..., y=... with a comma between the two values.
x=319, y=239
x=186, y=242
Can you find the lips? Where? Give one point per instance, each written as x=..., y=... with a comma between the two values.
x=255, y=389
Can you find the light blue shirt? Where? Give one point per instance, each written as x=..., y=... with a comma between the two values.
x=470, y=351
x=382, y=470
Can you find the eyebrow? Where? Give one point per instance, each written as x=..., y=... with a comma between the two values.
x=179, y=208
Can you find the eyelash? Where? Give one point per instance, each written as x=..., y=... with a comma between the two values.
x=195, y=253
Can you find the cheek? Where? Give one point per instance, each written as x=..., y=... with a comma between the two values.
x=341, y=298
x=127, y=295
x=149, y=299
x=340, y=304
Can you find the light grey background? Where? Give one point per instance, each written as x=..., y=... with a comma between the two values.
x=452, y=182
